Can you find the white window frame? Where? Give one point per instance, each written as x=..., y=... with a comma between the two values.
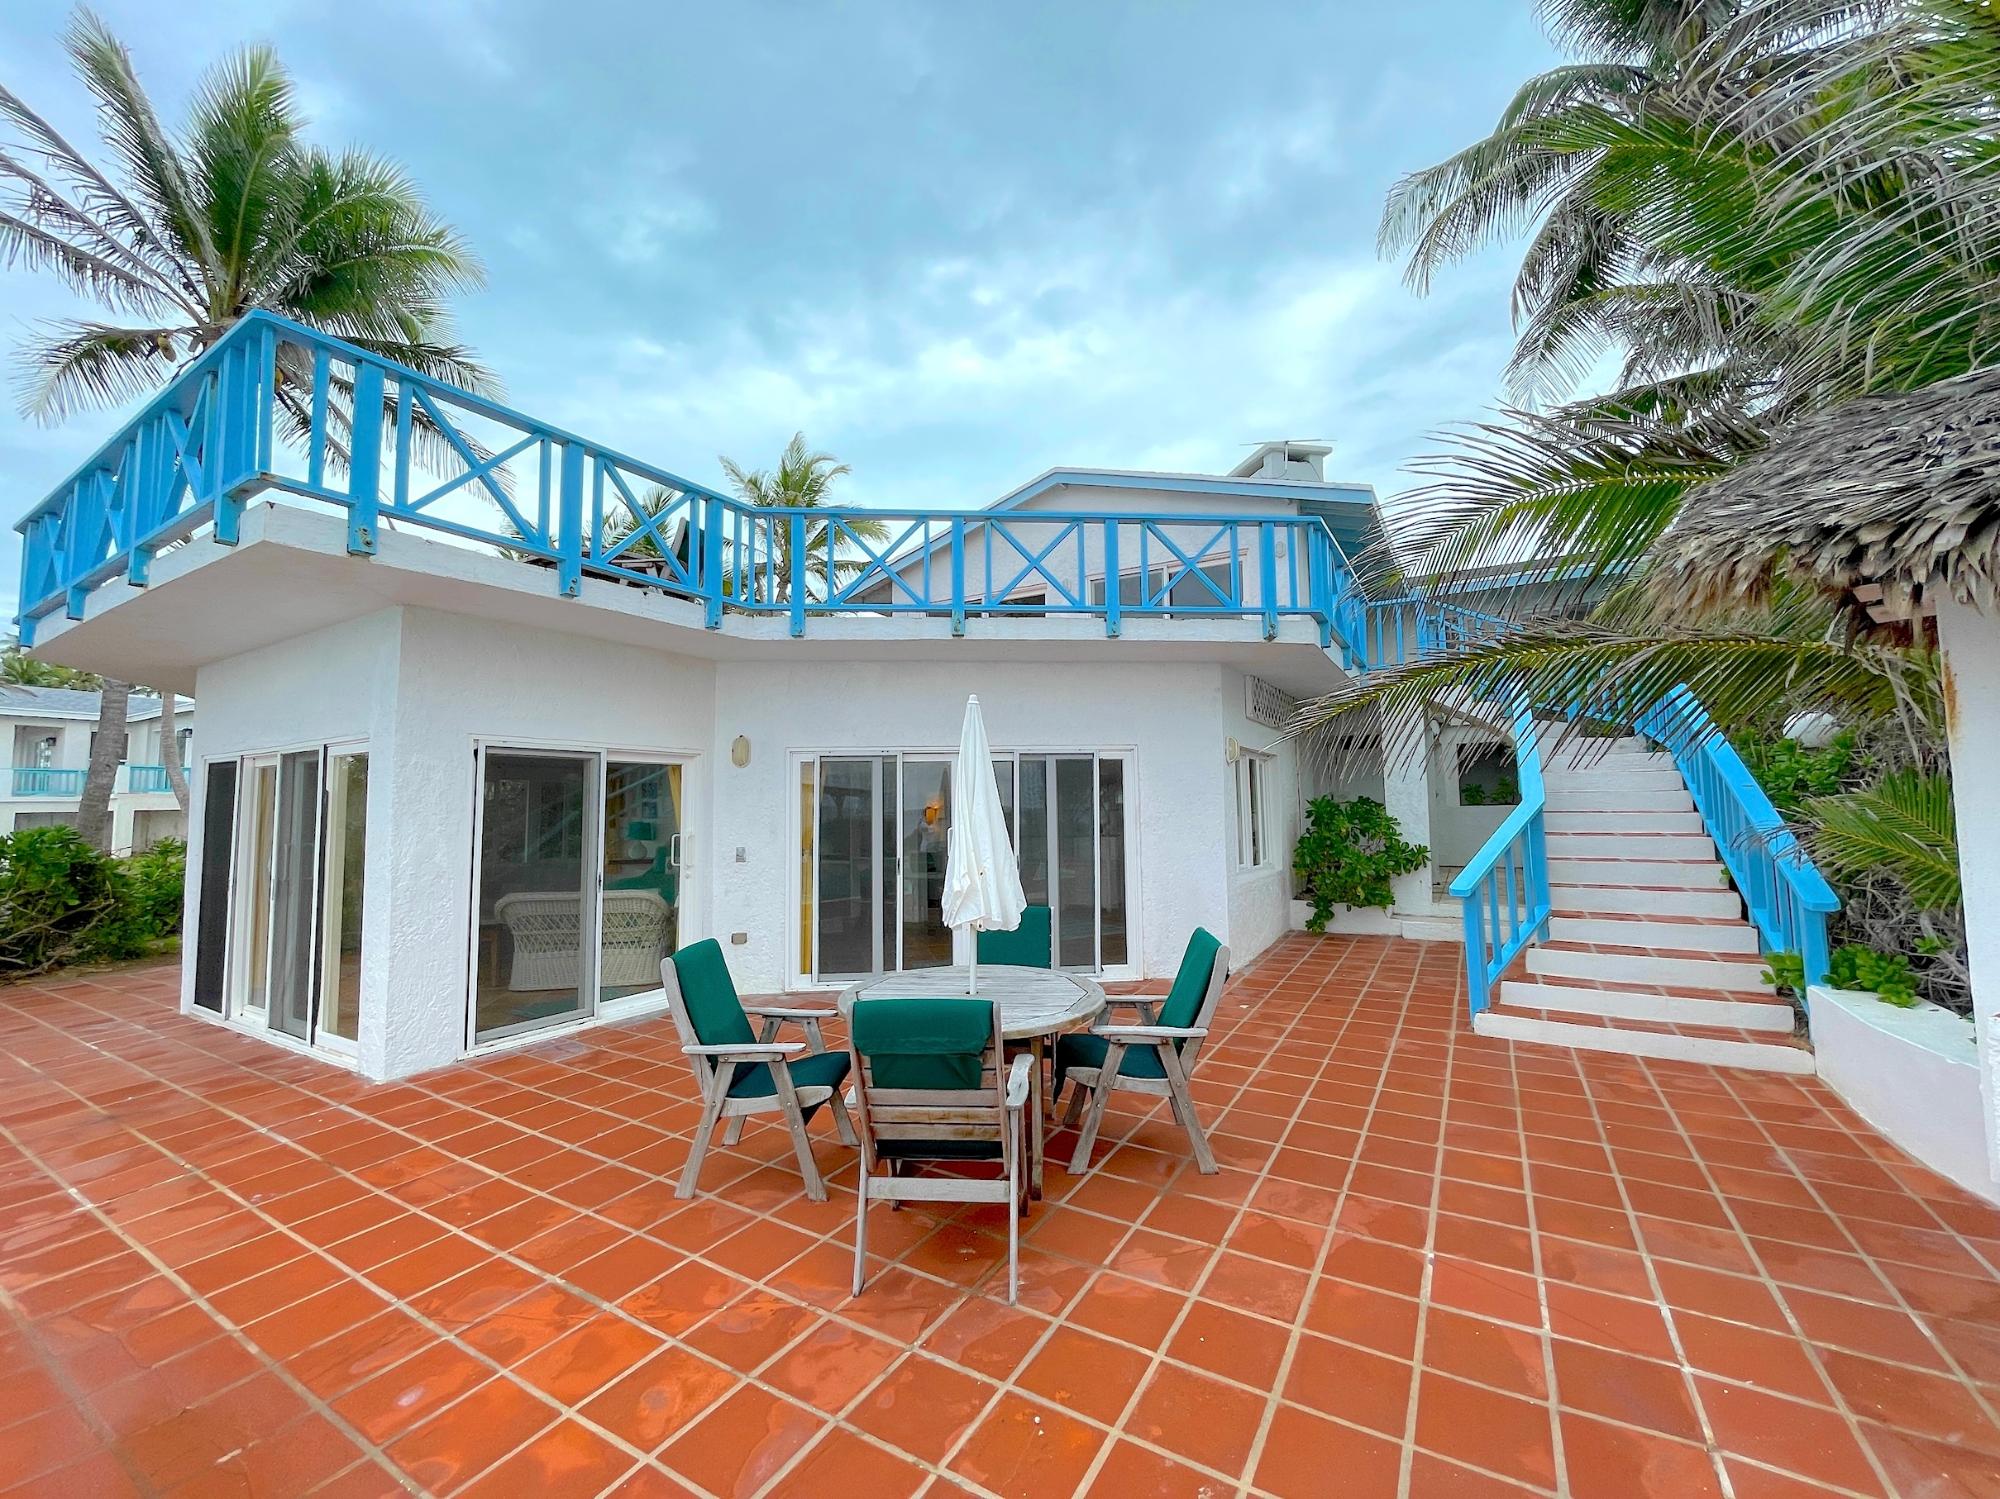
x=1252, y=783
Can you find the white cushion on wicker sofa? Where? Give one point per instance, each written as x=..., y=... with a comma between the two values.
x=546, y=926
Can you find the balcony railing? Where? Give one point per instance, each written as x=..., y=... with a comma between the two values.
x=267, y=408
x=146, y=780
x=45, y=780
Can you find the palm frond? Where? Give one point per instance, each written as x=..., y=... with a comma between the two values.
x=75, y=366
x=1903, y=826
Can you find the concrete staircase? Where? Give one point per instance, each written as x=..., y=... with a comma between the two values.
x=1649, y=952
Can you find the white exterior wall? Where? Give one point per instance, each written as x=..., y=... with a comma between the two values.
x=1971, y=643
x=1457, y=831
x=1259, y=898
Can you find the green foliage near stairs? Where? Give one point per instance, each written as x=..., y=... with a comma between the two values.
x=1348, y=855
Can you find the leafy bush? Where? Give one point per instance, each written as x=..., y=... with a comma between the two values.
x=159, y=875
x=1348, y=855
x=1790, y=773
x=1885, y=974
x=61, y=901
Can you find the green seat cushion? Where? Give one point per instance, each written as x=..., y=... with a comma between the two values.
x=1027, y=946
x=1086, y=1050
x=710, y=996
x=1183, y=1003
x=936, y=1044
x=827, y=1069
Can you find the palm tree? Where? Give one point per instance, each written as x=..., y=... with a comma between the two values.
x=801, y=481
x=185, y=234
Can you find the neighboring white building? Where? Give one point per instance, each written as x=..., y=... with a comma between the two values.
x=50, y=730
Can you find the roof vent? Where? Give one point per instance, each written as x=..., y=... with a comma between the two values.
x=1295, y=458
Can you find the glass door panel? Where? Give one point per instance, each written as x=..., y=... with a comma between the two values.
x=1032, y=844
x=537, y=886
x=1111, y=863
x=642, y=875
x=344, y=884
x=850, y=862
x=295, y=863
x=1075, y=837
x=926, y=805
x=263, y=821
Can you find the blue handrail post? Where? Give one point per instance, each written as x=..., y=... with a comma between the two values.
x=569, y=522
x=1475, y=956
x=1114, y=602
x=711, y=561
x=1267, y=576
x=364, y=480
x=958, y=574
x=796, y=568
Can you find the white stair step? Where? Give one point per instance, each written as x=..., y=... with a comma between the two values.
x=1586, y=761
x=1630, y=1004
x=1679, y=936
x=1758, y=1056
x=1690, y=874
x=1583, y=749
x=1566, y=821
x=1637, y=900
x=1601, y=779
x=1647, y=970
x=1584, y=799
x=1646, y=846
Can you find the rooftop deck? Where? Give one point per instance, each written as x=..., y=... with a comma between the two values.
x=1433, y=1264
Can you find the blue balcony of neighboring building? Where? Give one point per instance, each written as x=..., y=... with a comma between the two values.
x=46, y=780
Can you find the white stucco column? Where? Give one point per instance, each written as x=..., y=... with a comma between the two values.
x=1971, y=643
x=1406, y=793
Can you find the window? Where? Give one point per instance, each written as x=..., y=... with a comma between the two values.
x=1253, y=842
x=1195, y=591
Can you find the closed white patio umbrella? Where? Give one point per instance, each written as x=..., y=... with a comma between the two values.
x=982, y=881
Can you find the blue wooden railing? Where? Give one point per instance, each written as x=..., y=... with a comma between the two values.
x=1788, y=899
x=45, y=780
x=1503, y=892
x=275, y=406
x=147, y=779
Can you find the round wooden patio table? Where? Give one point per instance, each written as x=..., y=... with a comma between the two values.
x=1035, y=1005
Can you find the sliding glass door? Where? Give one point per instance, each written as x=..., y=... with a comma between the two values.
x=579, y=890
x=874, y=834
x=290, y=921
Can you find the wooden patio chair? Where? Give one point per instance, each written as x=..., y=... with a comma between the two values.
x=1027, y=946
x=932, y=1087
x=741, y=1074
x=1156, y=1056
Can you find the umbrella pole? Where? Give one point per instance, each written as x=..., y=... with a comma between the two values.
x=972, y=981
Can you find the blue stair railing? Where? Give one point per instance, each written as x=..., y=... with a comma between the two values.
x=1503, y=891
x=261, y=411
x=1788, y=898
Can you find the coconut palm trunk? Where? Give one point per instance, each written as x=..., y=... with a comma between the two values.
x=107, y=753
x=170, y=749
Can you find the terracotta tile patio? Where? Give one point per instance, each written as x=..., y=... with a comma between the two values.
x=1433, y=1264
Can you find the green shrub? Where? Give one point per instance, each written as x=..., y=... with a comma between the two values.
x=1349, y=854
x=61, y=901
x=1885, y=974
x=159, y=876
x=1790, y=773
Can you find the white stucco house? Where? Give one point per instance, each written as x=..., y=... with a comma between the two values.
x=469, y=762
x=49, y=731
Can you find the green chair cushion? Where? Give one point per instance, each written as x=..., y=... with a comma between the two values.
x=827, y=1069
x=710, y=995
x=923, y=1043
x=1027, y=946
x=1183, y=1002
x=1086, y=1050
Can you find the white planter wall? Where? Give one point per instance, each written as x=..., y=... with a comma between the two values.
x=1913, y=1074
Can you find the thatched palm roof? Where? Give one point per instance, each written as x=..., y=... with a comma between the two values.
x=1899, y=493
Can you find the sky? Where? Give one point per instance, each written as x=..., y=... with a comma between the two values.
x=954, y=243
